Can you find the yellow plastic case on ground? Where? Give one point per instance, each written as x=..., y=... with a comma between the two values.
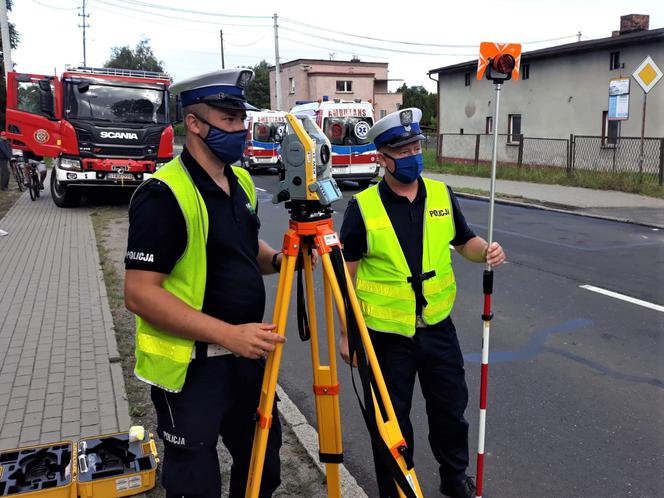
x=105, y=466
x=20, y=469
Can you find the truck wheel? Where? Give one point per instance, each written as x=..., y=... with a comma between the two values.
x=62, y=196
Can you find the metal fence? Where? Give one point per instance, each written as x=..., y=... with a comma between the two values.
x=578, y=152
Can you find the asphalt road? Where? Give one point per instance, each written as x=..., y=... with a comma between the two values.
x=576, y=383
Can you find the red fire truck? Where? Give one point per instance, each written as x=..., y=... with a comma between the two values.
x=103, y=127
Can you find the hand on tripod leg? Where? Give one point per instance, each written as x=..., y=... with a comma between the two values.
x=253, y=340
x=343, y=347
x=344, y=351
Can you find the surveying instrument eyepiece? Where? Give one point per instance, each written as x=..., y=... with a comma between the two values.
x=308, y=190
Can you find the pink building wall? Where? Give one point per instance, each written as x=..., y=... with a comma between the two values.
x=314, y=79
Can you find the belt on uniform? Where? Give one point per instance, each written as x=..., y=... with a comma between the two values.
x=203, y=350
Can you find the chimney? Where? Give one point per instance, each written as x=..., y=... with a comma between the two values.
x=634, y=22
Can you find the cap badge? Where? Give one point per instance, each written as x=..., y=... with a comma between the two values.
x=406, y=117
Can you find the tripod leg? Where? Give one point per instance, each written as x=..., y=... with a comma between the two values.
x=388, y=427
x=266, y=404
x=326, y=390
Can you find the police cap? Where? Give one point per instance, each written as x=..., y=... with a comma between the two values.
x=224, y=89
x=398, y=128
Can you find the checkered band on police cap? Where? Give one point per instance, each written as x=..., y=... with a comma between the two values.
x=398, y=128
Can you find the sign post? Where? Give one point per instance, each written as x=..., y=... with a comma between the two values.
x=647, y=74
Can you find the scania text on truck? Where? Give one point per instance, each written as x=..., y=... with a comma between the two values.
x=103, y=127
x=262, y=148
x=346, y=124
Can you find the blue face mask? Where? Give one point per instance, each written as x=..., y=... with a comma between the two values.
x=226, y=145
x=407, y=169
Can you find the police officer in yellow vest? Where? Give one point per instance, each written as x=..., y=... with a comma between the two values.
x=194, y=280
x=396, y=237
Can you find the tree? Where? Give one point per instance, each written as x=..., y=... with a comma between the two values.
x=418, y=96
x=258, y=92
x=14, y=38
x=141, y=58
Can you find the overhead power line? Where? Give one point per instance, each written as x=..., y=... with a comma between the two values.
x=328, y=48
x=308, y=25
x=149, y=5
x=251, y=43
x=197, y=29
x=373, y=47
x=189, y=11
x=213, y=23
x=53, y=6
x=421, y=44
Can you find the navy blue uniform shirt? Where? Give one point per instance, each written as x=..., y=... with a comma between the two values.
x=234, y=291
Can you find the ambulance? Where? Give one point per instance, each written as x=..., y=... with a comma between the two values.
x=346, y=123
x=261, y=149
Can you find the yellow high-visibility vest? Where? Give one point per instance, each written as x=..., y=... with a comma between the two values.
x=162, y=359
x=386, y=296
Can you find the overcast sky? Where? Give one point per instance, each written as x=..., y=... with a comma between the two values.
x=188, y=41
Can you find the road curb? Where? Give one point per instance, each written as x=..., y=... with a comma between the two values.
x=308, y=438
x=117, y=377
x=534, y=205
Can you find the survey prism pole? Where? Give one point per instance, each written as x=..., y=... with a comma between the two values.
x=487, y=314
x=498, y=62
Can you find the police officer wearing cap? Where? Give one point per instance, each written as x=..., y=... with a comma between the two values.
x=396, y=237
x=194, y=279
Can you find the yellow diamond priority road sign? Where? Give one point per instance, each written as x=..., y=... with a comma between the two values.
x=647, y=74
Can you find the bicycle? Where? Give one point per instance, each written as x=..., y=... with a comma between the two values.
x=17, y=173
x=34, y=183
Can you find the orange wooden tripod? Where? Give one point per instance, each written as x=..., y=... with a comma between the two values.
x=304, y=237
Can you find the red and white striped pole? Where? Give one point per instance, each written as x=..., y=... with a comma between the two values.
x=487, y=314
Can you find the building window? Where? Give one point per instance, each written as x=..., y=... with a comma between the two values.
x=614, y=62
x=525, y=71
x=610, y=130
x=514, y=128
x=467, y=79
x=291, y=85
x=344, y=86
x=489, y=125
x=383, y=113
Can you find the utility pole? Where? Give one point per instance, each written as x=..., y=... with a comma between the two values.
x=221, y=38
x=578, y=36
x=6, y=42
x=277, y=72
x=84, y=25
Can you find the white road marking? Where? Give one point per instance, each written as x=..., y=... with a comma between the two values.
x=261, y=189
x=629, y=299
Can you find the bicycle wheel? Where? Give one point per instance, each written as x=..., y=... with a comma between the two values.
x=33, y=187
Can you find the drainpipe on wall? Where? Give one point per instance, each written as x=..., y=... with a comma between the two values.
x=439, y=142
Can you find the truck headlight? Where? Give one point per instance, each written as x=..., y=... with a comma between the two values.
x=70, y=164
x=160, y=164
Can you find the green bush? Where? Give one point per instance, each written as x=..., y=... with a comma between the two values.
x=178, y=129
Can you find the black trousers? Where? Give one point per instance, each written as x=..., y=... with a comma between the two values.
x=219, y=398
x=4, y=174
x=433, y=354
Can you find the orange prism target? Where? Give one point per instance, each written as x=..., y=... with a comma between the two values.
x=491, y=50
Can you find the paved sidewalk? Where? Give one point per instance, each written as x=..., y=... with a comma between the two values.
x=608, y=204
x=60, y=376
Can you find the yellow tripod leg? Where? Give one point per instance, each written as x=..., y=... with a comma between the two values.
x=326, y=390
x=270, y=376
x=389, y=428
